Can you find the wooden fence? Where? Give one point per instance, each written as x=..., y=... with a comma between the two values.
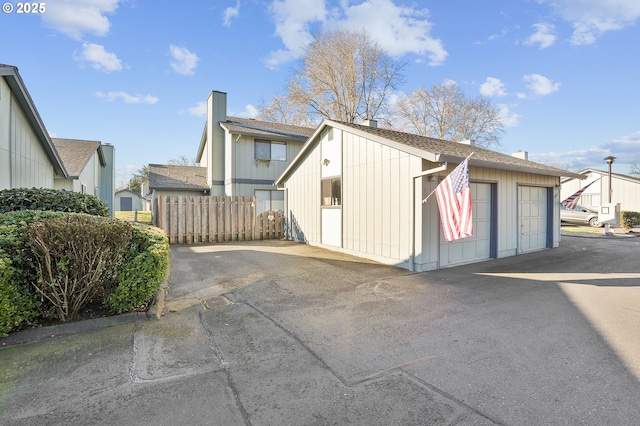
x=213, y=219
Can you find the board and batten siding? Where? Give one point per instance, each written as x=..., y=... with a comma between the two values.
x=25, y=162
x=302, y=200
x=377, y=199
x=243, y=171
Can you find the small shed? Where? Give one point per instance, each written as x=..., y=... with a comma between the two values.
x=128, y=201
x=360, y=189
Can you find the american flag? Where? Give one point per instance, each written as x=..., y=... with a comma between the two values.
x=454, y=202
x=571, y=202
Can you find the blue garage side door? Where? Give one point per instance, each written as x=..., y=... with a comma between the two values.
x=126, y=204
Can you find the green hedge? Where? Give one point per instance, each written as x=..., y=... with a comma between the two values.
x=629, y=219
x=143, y=270
x=130, y=281
x=51, y=199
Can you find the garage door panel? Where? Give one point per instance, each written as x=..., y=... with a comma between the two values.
x=478, y=246
x=532, y=218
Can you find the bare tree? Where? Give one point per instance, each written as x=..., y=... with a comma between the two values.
x=346, y=76
x=181, y=161
x=635, y=168
x=444, y=112
x=283, y=110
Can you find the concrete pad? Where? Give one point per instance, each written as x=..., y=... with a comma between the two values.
x=278, y=380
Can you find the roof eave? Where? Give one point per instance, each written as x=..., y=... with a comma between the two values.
x=18, y=88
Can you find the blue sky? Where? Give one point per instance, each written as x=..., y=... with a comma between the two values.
x=135, y=73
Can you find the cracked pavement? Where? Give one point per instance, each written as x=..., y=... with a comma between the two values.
x=273, y=333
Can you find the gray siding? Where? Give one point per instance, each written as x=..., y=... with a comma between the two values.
x=24, y=162
x=244, y=174
x=378, y=202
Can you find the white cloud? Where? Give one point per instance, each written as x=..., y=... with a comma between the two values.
x=492, y=87
x=592, y=18
x=249, y=112
x=77, y=17
x=292, y=19
x=509, y=119
x=544, y=36
x=397, y=29
x=99, y=58
x=183, y=61
x=200, y=110
x=230, y=13
x=626, y=150
x=127, y=98
x=540, y=85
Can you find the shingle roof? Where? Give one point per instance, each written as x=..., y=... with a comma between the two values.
x=442, y=150
x=170, y=177
x=435, y=150
x=266, y=129
x=75, y=153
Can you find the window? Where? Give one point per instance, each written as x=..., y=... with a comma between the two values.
x=331, y=191
x=266, y=150
x=269, y=200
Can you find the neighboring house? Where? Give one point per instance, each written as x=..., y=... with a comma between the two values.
x=624, y=189
x=244, y=156
x=360, y=189
x=127, y=200
x=28, y=158
x=166, y=179
x=90, y=166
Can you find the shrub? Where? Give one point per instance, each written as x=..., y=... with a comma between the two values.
x=629, y=219
x=14, y=243
x=51, y=199
x=76, y=257
x=17, y=306
x=143, y=270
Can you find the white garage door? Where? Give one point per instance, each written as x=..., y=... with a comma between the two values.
x=478, y=246
x=532, y=218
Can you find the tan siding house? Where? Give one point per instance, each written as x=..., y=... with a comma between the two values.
x=360, y=190
x=27, y=155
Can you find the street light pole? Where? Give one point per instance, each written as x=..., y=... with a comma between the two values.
x=610, y=159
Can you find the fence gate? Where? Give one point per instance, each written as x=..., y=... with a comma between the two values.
x=213, y=219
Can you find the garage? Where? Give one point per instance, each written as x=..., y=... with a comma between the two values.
x=477, y=247
x=533, y=218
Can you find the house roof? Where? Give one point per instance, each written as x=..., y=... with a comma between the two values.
x=434, y=150
x=121, y=191
x=170, y=177
x=260, y=129
x=257, y=128
x=19, y=90
x=76, y=153
x=585, y=172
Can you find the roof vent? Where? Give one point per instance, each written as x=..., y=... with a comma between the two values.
x=468, y=142
x=370, y=123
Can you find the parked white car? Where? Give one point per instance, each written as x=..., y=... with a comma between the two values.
x=580, y=215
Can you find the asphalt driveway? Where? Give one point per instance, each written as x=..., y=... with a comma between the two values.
x=279, y=333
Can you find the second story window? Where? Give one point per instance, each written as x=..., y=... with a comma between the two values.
x=267, y=150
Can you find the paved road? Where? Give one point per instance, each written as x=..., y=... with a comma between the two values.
x=275, y=333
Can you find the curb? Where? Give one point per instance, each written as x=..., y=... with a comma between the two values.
x=39, y=334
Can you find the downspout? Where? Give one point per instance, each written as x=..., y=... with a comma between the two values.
x=412, y=261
